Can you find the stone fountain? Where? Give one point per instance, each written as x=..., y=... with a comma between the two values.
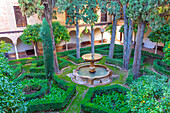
x=92, y=75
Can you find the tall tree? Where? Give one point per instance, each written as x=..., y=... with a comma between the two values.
x=167, y=53
x=143, y=12
x=91, y=17
x=48, y=51
x=44, y=9
x=75, y=11
x=60, y=32
x=31, y=35
x=113, y=9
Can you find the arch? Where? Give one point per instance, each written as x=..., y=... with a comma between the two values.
x=85, y=36
x=8, y=40
x=23, y=47
x=97, y=34
x=72, y=36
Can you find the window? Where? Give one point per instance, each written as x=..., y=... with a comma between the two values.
x=21, y=21
x=103, y=17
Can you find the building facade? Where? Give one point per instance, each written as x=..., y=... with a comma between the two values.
x=12, y=24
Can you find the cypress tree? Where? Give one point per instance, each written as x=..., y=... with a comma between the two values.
x=45, y=35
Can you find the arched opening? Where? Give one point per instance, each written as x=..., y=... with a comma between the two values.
x=97, y=35
x=24, y=49
x=11, y=53
x=85, y=38
x=72, y=36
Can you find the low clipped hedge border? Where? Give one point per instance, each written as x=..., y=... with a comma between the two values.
x=73, y=57
x=119, y=63
x=152, y=55
x=159, y=68
x=37, y=94
x=43, y=104
x=89, y=107
x=17, y=70
x=22, y=61
x=30, y=75
x=35, y=69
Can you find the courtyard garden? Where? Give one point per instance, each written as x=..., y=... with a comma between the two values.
x=105, y=78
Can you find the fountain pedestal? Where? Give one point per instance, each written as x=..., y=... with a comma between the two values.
x=92, y=67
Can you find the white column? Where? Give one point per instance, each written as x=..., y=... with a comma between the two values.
x=16, y=51
x=66, y=46
x=35, y=50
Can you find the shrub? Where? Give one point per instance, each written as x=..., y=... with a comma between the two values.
x=52, y=103
x=35, y=83
x=22, y=61
x=152, y=55
x=12, y=98
x=162, y=69
x=149, y=94
x=17, y=70
x=30, y=75
x=88, y=106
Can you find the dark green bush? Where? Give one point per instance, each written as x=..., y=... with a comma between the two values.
x=17, y=69
x=152, y=55
x=45, y=104
x=30, y=75
x=23, y=61
x=88, y=106
x=129, y=79
x=37, y=94
x=160, y=68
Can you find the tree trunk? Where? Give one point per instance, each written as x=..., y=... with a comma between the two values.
x=36, y=45
x=77, y=40
x=134, y=41
x=129, y=43
x=35, y=50
x=125, y=36
x=156, y=48
x=138, y=48
x=111, y=48
x=48, y=15
x=92, y=40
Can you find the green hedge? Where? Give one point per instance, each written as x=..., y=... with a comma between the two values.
x=46, y=105
x=37, y=94
x=73, y=57
x=160, y=68
x=30, y=75
x=89, y=107
x=148, y=54
x=22, y=61
x=119, y=62
x=129, y=79
x=17, y=69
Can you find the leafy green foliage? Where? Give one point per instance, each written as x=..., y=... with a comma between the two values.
x=115, y=101
x=145, y=11
x=90, y=12
x=149, y=94
x=60, y=32
x=167, y=53
x=30, y=7
x=47, y=49
x=4, y=47
x=11, y=97
x=31, y=34
x=161, y=34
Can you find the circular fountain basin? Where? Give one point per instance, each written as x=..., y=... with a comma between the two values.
x=88, y=57
x=100, y=76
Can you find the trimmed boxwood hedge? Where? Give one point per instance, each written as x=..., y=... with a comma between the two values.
x=22, y=61
x=88, y=106
x=37, y=94
x=152, y=55
x=30, y=75
x=73, y=57
x=35, y=69
x=119, y=62
x=44, y=104
x=162, y=69
x=17, y=69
